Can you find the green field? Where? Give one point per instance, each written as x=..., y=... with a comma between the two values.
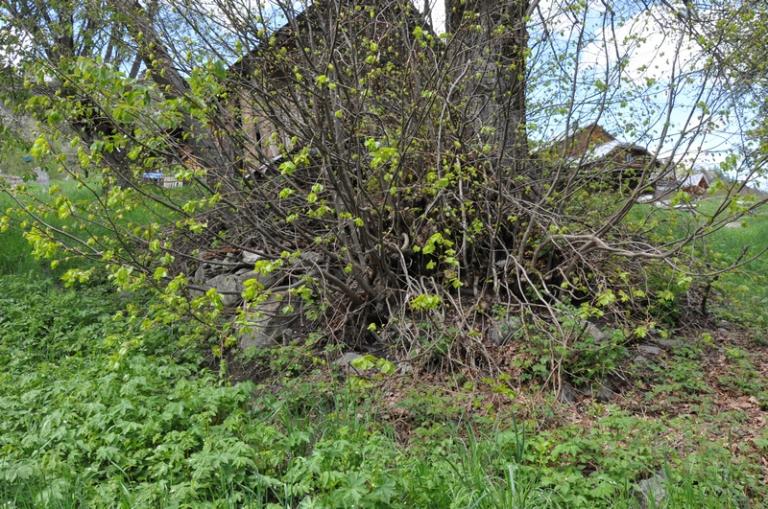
x=740, y=294
x=745, y=290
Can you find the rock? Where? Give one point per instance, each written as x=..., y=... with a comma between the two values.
x=250, y=339
x=604, y=393
x=229, y=287
x=639, y=359
x=268, y=324
x=310, y=259
x=595, y=333
x=496, y=335
x=258, y=333
x=651, y=350
x=651, y=492
x=201, y=274
x=308, y=263
x=249, y=258
x=669, y=344
x=345, y=361
x=405, y=367
x=211, y=268
x=567, y=394
x=501, y=331
x=244, y=275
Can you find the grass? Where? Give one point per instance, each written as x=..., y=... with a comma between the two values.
x=14, y=154
x=14, y=250
x=742, y=294
x=746, y=288
x=88, y=423
x=86, y=427
x=16, y=158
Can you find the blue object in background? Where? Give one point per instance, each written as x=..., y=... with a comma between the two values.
x=27, y=158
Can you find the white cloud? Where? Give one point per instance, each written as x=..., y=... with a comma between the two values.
x=651, y=45
x=437, y=13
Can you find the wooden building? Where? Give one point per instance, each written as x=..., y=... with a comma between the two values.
x=615, y=164
x=696, y=184
x=273, y=87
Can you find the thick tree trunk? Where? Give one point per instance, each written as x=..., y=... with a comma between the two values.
x=493, y=40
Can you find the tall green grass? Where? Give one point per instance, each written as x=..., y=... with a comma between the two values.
x=15, y=256
x=744, y=290
x=14, y=249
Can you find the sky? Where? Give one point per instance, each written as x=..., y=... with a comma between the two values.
x=648, y=56
x=436, y=11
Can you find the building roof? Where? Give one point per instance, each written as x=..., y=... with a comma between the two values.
x=589, y=144
x=602, y=151
x=694, y=180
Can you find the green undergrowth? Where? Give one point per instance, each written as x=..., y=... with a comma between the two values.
x=87, y=425
x=97, y=412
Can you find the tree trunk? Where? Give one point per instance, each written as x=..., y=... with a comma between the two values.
x=150, y=47
x=493, y=39
x=152, y=50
